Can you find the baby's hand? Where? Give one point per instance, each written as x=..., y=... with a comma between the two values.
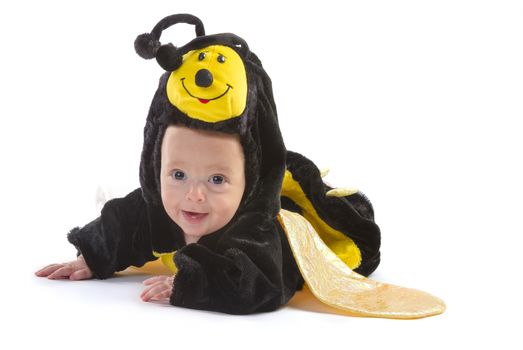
x=159, y=288
x=74, y=270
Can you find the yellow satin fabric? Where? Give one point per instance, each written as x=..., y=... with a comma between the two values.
x=168, y=260
x=335, y=284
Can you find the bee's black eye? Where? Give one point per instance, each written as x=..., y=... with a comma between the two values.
x=201, y=56
x=221, y=58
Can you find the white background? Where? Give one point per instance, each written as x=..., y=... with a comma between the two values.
x=416, y=103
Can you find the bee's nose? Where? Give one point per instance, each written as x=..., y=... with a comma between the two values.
x=203, y=78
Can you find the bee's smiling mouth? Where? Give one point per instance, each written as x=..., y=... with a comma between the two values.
x=205, y=100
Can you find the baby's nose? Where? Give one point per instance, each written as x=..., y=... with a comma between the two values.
x=204, y=78
x=196, y=193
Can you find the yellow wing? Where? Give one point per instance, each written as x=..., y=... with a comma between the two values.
x=335, y=284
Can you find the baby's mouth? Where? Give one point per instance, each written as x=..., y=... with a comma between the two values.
x=193, y=216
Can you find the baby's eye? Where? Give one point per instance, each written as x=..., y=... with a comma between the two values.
x=201, y=56
x=217, y=179
x=178, y=175
x=221, y=58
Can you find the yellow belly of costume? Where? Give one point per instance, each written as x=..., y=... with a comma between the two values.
x=340, y=244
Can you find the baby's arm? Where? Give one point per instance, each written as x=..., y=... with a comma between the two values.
x=249, y=268
x=117, y=239
x=74, y=270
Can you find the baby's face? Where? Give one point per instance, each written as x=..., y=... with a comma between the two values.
x=202, y=179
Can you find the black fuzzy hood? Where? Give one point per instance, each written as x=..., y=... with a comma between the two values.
x=257, y=126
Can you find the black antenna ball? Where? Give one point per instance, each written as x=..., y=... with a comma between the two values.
x=146, y=46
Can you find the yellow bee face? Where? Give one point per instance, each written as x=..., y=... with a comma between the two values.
x=210, y=85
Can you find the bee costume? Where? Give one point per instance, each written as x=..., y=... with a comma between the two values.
x=290, y=228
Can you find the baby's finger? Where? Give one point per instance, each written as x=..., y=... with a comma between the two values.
x=82, y=274
x=49, y=269
x=154, y=279
x=165, y=295
x=62, y=272
x=146, y=290
x=46, y=267
x=151, y=291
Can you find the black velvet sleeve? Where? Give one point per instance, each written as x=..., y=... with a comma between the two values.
x=244, y=269
x=117, y=239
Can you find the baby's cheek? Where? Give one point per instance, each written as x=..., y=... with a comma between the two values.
x=170, y=201
x=227, y=208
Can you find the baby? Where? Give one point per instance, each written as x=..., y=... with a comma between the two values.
x=217, y=190
x=214, y=176
x=202, y=184
x=211, y=172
